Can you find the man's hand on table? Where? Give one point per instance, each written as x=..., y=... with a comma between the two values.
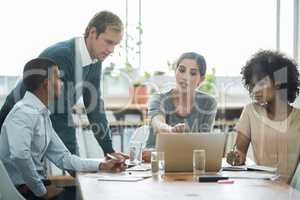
x=120, y=155
x=115, y=162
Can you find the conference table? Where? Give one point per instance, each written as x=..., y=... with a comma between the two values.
x=183, y=186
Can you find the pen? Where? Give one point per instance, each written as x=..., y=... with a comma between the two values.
x=112, y=157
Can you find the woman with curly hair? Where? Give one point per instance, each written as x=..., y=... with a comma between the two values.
x=271, y=124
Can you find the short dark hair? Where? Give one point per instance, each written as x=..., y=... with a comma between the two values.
x=279, y=68
x=197, y=57
x=36, y=71
x=102, y=20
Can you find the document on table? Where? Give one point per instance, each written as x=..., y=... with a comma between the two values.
x=140, y=168
x=250, y=168
x=235, y=168
x=262, y=168
x=249, y=175
x=123, y=176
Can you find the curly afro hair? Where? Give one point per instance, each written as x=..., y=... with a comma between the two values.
x=280, y=69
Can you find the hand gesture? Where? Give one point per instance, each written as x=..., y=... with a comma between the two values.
x=180, y=127
x=112, y=164
x=120, y=156
x=236, y=157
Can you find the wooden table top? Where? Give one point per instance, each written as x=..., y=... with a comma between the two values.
x=182, y=186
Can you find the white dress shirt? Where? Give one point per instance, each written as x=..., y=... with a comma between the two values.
x=82, y=53
x=27, y=136
x=82, y=60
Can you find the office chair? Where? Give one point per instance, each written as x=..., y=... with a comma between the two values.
x=7, y=189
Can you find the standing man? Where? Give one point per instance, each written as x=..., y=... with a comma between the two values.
x=79, y=61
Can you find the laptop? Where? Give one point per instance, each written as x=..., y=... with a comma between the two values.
x=178, y=149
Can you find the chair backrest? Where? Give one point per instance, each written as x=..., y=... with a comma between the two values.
x=295, y=182
x=141, y=134
x=7, y=188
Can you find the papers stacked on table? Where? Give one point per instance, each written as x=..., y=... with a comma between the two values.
x=122, y=176
x=250, y=168
x=249, y=175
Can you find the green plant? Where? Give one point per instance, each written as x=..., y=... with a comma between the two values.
x=111, y=71
x=171, y=65
x=147, y=75
x=158, y=73
x=131, y=48
x=141, y=81
x=108, y=70
x=208, y=86
x=128, y=67
x=138, y=84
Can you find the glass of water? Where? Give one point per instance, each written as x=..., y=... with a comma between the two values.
x=135, y=152
x=198, y=161
x=158, y=163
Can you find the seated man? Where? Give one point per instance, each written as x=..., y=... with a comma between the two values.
x=270, y=123
x=28, y=138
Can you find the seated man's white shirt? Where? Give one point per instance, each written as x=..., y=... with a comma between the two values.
x=27, y=136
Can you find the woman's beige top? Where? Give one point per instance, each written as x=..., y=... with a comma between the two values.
x=275, y=143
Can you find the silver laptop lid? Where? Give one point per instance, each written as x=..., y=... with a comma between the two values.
x=179, y=148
